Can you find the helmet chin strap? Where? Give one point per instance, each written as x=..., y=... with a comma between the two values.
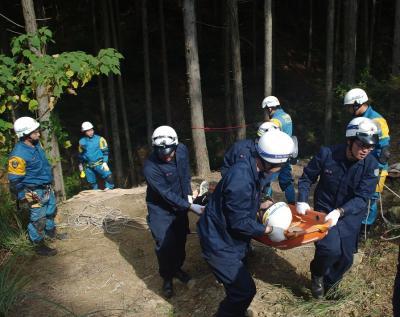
x=356, y=106
x=351, y=149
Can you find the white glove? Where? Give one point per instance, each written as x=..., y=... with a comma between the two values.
x=277, y=234
x=333, y=216
x=190, y=199
x=105, y=166
x=197, y=209
x=80, y=166
x=302, y=207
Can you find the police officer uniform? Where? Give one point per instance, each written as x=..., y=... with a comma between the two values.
x=93, y=152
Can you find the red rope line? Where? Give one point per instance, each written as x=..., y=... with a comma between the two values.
x=221, y=128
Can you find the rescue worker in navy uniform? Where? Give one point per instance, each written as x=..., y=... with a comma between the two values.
x=356, y=101
x=229, y=220
x=243, y=149
x=347, y=179
x=93, y=157
x=278, y=116
x=31, y=176
x=167, y=173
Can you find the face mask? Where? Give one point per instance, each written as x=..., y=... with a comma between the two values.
x=35, y=142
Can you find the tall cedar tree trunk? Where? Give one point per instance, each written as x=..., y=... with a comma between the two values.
x=371, y=33
x=147, y=83
x=350, y=43
x=227, y=73
x=100, y=86
x=310, y=35
x=330, y=30
x=164, y=60
x=338, y=57
x=254, y=29
x=194, y=84
x=396, y=42
x=116, y=142
x=122, y=102
x=268, y=48
x=42, y=96
x=237, y=71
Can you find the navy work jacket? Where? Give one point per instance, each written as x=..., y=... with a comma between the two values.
x=342, y=184
x=168, y=183
x=229, y=220
x=242, y=149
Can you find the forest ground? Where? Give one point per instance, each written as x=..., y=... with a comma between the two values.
x=115, y=274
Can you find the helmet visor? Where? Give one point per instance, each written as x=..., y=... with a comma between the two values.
x=368, y=139
x=163, y=151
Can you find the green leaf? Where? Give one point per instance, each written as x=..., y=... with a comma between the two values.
x=69, y=73
x=104, y=69
x=33, y=105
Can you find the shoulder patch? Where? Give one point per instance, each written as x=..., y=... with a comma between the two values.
x=16, y=165
x=103, y=143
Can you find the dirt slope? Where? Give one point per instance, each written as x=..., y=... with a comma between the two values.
x=115, y=274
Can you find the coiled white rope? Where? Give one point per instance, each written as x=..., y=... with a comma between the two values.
x=99, y=218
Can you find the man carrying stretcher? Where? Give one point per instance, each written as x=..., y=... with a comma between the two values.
x=347, y=179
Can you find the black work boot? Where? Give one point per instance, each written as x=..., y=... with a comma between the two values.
x=182, y=276
x=317, y=286
x=42, y=249
x=167, y=288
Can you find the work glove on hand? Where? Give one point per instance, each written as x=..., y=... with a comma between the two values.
x=105, y=166
x=197, y=209
x=333, y=216
x=302, y=207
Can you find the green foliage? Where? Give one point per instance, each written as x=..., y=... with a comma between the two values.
x=72, y=185
x=29, y=68
x=12, y=283
x=12, y=233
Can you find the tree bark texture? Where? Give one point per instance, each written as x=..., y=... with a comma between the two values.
x=194, y=85
x=227, y=73
x=164, y=60
x=396, y=42
x=310, y=35
x=42, y=96
x=122, y=102
x=100, y=86
x=116, y=141
x=147, y=83
x=330, y=28
x=268, y=48
x=350, y=41
x=237, y=72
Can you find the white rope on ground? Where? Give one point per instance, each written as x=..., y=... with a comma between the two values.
x=394, y=226
x=100, y=218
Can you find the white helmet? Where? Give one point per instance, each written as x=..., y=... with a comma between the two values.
x=266, y=126
x=278, y=215
x=86, y=126
x=275, y=147
x=355, y=96
x=164, y=140
x=25, y=126
x=270, y=102
x=363, y=129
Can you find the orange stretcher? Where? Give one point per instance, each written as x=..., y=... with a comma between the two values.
x=303, y=229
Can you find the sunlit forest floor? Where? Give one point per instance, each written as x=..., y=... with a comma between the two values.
x=115, y=273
